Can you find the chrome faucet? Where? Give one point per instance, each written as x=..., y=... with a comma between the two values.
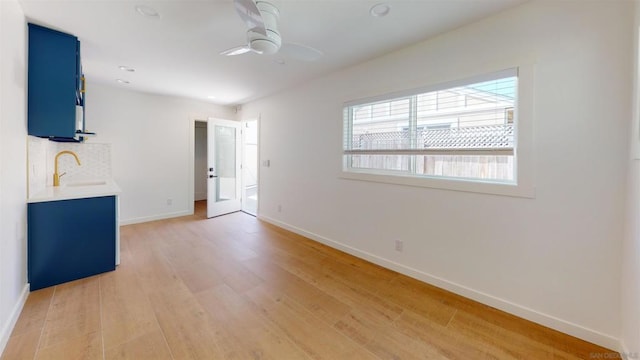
x=56, y=176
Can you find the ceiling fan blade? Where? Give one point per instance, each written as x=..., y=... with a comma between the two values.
x=238, y=50
x=250, y=14
x=301, y=52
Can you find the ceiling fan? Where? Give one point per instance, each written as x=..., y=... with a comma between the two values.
x=263, y=37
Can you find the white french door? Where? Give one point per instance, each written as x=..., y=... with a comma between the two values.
x=224, y=171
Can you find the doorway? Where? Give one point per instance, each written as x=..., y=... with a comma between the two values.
x=225, y=167
x=200, y=162
x=250, y=167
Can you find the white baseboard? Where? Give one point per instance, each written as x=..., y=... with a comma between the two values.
x=553, y=322
x=626, y=353
x=155, y=217
x=623, y=348
x=7, y=328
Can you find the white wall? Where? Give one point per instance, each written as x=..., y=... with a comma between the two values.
x=631, y=246
x=150, y=138
x=13, y=170
x=554, y=259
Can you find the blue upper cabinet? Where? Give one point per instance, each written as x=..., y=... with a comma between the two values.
x=55, y=83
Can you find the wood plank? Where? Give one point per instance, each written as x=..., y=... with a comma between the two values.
x=391, y=344
x=151, y=345
x=418, y=298
x=154, y=271
x=346, y=292
x=252, y=336
x=127, y=312
x=85, y=347
x=448, y=343
x=22, y=346
x=321, y=304
x=74, y=313
x=185, y=325
x=223, y=239
x=496, y=341
x=360, y=326
x=316, y=338
x=35, y=311
x=235, y=287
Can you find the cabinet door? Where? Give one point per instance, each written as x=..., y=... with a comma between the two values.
x=52, y=78
x=71, y=239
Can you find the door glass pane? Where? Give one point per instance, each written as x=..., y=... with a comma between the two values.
x=225, y=160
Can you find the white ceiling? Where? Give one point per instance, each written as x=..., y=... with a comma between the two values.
x=178, y=54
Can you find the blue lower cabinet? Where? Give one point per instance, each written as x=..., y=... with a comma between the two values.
x=71, y=239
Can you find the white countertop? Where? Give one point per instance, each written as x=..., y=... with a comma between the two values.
x=79, y=190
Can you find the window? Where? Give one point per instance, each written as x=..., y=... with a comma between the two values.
x=458, y=131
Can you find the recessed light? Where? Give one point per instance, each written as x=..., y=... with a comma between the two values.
x=211, y=97
x=121, y=81
x=280, y=61
x=126, y=68
x=147, y=11
x=380, y=10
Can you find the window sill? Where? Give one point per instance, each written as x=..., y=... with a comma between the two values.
x=481, y=187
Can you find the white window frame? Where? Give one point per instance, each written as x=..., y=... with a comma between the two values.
x=523, y=184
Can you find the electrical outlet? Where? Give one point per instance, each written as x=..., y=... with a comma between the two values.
x=399, y=245
x=169, y=202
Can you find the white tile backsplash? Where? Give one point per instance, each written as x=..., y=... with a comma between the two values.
x=95, y=160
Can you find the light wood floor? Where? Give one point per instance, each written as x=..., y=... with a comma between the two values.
x=236, y=288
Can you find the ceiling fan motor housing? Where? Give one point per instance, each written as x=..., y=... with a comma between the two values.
x=271, y=43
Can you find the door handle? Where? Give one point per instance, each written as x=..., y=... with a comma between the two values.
x=213, y=176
